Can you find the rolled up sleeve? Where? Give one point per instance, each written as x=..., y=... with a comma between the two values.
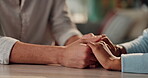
x=6, y=44
x=135, y=63
x=65, y=36
x=62, y=26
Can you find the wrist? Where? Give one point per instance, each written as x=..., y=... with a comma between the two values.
x=60, y=54
x=53, y=54
x=115, y=64
x=120, y=50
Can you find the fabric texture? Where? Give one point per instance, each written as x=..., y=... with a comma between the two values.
x=33, y=21
x=136, y=59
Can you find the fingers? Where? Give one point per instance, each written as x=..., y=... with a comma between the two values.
x=92, y=45
x=100, y=49
x=92, y=38
x=88, y=36
x=106, y=48
x=107, y=41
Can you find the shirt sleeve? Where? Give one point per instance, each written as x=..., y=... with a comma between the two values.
x=136, y=59
x=6, y=44
x=62, y=26
x=138, y=45
x=135, y=63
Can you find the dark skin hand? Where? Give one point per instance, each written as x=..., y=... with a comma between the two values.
x=104, y=56
x=107, y=53
x=115, y=49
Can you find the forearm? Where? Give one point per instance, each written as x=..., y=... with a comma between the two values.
x=35, y=54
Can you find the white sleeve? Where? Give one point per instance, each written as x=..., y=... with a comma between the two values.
x=62, y=26
x=6, y=44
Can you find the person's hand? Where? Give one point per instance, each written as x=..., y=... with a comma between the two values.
x=78, y=54
x=105, y=56
x=115, y=49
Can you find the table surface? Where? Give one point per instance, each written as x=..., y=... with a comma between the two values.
x=54, y=71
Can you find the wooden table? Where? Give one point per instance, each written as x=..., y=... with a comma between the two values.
x=45, y=71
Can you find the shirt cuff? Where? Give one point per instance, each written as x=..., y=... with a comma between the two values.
x=6, y=44
x=67, y=35
x=134, y=63
x=127, y=46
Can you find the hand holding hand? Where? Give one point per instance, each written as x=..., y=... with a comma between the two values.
x=115, y=49
x=105, y=56
x=78, y=54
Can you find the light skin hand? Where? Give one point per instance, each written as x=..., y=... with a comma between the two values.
x=68, y=55
x=104, y=56
x=78, y=54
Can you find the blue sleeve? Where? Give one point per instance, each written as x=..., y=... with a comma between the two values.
x=139, y=45
x=136, y=59
x=135, y=63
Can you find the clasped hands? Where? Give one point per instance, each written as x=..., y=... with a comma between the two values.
x=90, y=50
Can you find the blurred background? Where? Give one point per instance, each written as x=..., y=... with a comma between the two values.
x=120, y=20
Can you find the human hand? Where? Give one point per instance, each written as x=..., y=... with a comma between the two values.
x=78, y=54
x=115, y=49
x=105, y=56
